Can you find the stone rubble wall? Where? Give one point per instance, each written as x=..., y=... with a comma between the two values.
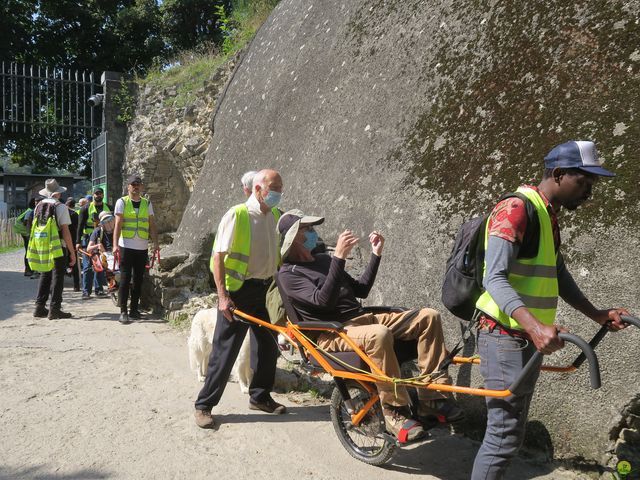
x=166, y=145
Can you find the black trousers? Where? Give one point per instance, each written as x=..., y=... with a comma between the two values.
x=132, y=266
x=52, y=283
x=25, y=240
x=227, y=340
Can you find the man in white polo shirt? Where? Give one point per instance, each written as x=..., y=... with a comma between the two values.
x=134, y=223
x=243, y=261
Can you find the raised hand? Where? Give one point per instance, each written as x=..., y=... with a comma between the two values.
x=377, y=242
x=346, y=241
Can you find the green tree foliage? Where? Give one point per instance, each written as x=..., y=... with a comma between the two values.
x=128, y=36
x=188, y=23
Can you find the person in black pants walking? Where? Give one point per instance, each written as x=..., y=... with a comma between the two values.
x=52, y=282
x=134, y=223
x=244, y=259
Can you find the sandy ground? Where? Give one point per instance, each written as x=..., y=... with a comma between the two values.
x=89, y=398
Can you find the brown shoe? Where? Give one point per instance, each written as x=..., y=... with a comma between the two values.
x=269, y=405
x=204, y=419
x=403, y=428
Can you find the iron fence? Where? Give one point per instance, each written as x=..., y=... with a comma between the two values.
x=37, y=98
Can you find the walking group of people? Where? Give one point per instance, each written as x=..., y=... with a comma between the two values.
x=98, y=228
x=517, y=309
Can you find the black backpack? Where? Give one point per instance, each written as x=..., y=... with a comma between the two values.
x=462, y=284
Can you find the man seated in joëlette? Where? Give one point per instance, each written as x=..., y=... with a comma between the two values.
x=320, y=289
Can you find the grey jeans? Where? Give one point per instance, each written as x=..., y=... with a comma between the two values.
x=502, y=359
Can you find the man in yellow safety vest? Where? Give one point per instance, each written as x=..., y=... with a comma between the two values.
x=524, y=274
x=50, y=222
x=87, y=221
x=135, y=222
x=245, y=256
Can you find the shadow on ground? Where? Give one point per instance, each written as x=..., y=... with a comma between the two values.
x=16, y=290
x=42, y=473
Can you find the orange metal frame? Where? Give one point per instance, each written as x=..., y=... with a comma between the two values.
x=294, y=334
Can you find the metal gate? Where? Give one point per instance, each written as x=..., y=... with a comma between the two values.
x=99, y=162
x=36, y=98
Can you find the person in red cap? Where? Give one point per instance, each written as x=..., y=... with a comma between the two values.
x=524, y=275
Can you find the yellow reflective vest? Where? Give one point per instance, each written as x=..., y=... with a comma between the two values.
x=44, y=245
x=92, y=215
x=535, y=280
x=236, y=261
x=135, y=222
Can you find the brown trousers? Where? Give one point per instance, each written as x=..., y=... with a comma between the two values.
x=375, y=334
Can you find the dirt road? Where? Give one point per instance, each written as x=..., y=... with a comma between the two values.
x=89, y=398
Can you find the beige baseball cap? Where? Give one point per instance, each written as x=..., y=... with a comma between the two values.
x=289, y=224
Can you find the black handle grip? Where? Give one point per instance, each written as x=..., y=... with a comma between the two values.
x=593, y=343
x=631, y=320
x=594, y=365
x=536, y=360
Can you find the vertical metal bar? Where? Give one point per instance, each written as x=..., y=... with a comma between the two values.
x=40, y=83
x=31, y=95
x=14, y=95
x=77, y=121
x=11, y=95
x=70, y=90
x=62, y=99
x=92, y=93
x=84, y=101
x=47, y=112
x=55, y=99
x=24, y=97
x=4, y=107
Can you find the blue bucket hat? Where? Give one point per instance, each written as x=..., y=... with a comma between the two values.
x=579, y=154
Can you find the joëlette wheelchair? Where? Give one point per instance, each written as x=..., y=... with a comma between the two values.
x=356, y=412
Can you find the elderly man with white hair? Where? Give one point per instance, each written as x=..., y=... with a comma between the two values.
x=51, y=219
x=243, y=262
x=247, y=182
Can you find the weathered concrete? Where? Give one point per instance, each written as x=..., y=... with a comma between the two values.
x=410, y=116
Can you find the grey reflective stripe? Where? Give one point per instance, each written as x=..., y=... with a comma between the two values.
x=45, y=261
x=525, y=270
x=238, y=256
x=142, y=229
x=234, y=274
x=131, y=228
x=539, y=302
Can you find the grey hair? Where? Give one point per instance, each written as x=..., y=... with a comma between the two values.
x=247, y=179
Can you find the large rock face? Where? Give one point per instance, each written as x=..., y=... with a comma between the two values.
x=409, y=117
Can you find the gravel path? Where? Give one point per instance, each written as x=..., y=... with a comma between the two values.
x=88, y=398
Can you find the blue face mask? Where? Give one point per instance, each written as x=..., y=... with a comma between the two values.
x=310, y=240
x=272, y=199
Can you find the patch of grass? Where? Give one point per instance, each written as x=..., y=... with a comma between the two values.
x=188, y=72
x=10, y=248
x=179, y=321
